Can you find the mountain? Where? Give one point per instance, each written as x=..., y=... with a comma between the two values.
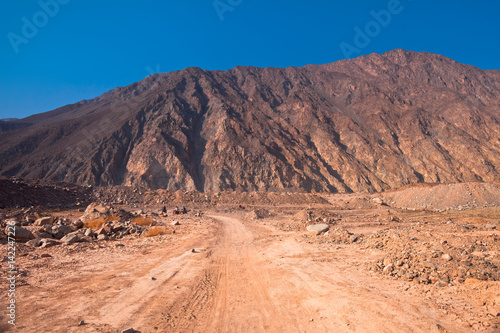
x=372, y=123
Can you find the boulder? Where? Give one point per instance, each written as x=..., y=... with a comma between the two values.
x=48, y=242
x=94, y=211
x=89, y=233
x=34, y=242
x=117, y=226
x=85, y=239
x=43, y=234
x=45, y=220
x=78, y=224
x=20, y=233
x=101, y=209
x=70, y=239
x=60, y=231
x=101, y=231
x=318, y=229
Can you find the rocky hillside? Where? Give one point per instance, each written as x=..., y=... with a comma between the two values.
x=367, y=124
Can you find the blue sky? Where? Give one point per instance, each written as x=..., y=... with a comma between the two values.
x=79, y=49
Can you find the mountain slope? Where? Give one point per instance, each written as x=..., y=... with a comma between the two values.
x=366, y=124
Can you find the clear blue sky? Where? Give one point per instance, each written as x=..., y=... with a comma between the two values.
x=87, y=47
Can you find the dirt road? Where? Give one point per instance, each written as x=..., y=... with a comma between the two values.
x=241, y=277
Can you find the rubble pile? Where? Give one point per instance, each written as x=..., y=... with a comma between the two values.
x=15, y=192
x=458, y=253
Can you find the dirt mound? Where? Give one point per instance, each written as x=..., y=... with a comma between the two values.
x=302, y=215
x=15, y=192
x=258, y=214
x=446, y=197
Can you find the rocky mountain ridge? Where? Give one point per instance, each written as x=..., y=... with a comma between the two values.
x=368, y=124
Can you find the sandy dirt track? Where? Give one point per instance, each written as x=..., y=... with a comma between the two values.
x=241, y=277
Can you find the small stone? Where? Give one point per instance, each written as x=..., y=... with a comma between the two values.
x=428, y=264
x=89, y=232
x=101, y=231
x=176, y=223
x=130, y=330
x=447, y=257
x=153, y=278
x=388, y=269
x=45, y=255
x=440, y=284
x=318, y=229
x=81, y=323
x=102, y=237
x=436, y=327
x=491, y=226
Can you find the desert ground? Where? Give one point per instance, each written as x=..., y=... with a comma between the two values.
x=420, y=259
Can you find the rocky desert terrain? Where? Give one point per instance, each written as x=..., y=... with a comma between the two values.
x=357, y=196
x=419, y=259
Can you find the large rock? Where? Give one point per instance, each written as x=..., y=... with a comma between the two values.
x=70, y=239
x=78, y=224
x=45, y=220
x=48, y=242
x=318, y=229
x=93, y=212
x=102, y=237
x=101, y=231
x=20, y=233
x=59, y=231
x=89, y=232
x=34, y=242
x=43, y=234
